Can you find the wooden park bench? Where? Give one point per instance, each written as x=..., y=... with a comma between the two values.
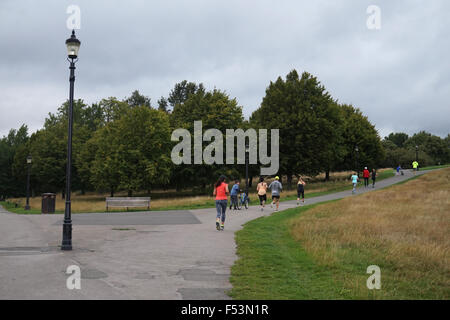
x=128, y=202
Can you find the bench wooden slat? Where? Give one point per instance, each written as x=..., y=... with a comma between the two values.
x=127, y=202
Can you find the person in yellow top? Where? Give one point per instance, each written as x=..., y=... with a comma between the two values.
x=415, y=165
x=262, y=190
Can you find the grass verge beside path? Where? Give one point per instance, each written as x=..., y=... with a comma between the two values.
x=323, y=251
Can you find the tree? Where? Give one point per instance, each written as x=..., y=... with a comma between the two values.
x=11, y=185
x=308, y=120
x=358, y=131
x=216, y=110
x=163, y=105
x=133, y=153
x=181, y=91
x=398, y=138
x=136, y=99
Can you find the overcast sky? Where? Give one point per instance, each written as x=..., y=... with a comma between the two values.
x=399, y=75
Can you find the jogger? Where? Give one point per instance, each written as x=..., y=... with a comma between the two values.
x=221, y=192
x=300, y=190
x=355, y=179
x=276, y=188
x=374, y=177
x=261, y=188
x=366, y=175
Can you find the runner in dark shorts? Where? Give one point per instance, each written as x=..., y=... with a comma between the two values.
x=262, y=199
x=300, y=190
x=261, y=188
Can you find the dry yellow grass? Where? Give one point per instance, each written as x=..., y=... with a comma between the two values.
x=404, y=229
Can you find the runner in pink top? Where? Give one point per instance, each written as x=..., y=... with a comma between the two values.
x=221, y=192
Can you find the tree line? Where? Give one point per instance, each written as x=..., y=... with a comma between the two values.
x=125, y=145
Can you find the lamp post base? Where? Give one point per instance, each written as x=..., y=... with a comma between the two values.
x=67, y=237
x=27, y=207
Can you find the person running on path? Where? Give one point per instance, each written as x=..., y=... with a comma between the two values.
x=374, y=177
x=355, y=180
x=415, y=165
x=300, y=190
x=221, y=192
x=276, y=188
x=261, y=188
x=234, y=195
x=366, y=175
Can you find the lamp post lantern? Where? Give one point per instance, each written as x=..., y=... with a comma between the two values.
x=29, y=160
x=73, y=46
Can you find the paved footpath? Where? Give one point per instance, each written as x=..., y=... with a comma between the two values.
x=128, y=255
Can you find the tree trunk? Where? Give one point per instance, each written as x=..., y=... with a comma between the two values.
x=250, y=180
x=130, y=193
x=327, y=175
x=112, y=192
x=289, y=181
x=63, y=194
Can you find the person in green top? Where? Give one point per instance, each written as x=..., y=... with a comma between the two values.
x=415, y=165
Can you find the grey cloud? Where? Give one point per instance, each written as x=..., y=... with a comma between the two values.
x=398, y=76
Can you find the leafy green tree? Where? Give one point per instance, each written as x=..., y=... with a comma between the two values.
x=133, y=153
x=181, y=91
x=112, y=109
x=136, y=99
x=434, y=146
x=10, y=184
x=216, y=110
x=358, y=131
x=163, y=105
x=398, y=138
x=308, y=120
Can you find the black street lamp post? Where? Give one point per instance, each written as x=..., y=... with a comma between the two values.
x=356, y=158
x=417, y=153
x=29, y=160
x=246, y=168
x=73, y=45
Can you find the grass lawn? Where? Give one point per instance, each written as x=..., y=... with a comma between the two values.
x=435, y=167
x=323, y=251
x=96, y=203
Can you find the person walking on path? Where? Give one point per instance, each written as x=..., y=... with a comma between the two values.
x=415, y=165
x=398, y=169
x=261, y=188
x=300, y=190
x=234, y=195
x=374, y=177
x=366, y=175
x=276, y=188
x=221, y=192
x=355, y=180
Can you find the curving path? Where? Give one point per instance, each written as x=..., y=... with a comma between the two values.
x=140, y=255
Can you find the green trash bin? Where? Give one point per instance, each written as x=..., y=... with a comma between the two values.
x=48, y=203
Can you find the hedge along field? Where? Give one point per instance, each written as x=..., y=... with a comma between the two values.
x=323, y=251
